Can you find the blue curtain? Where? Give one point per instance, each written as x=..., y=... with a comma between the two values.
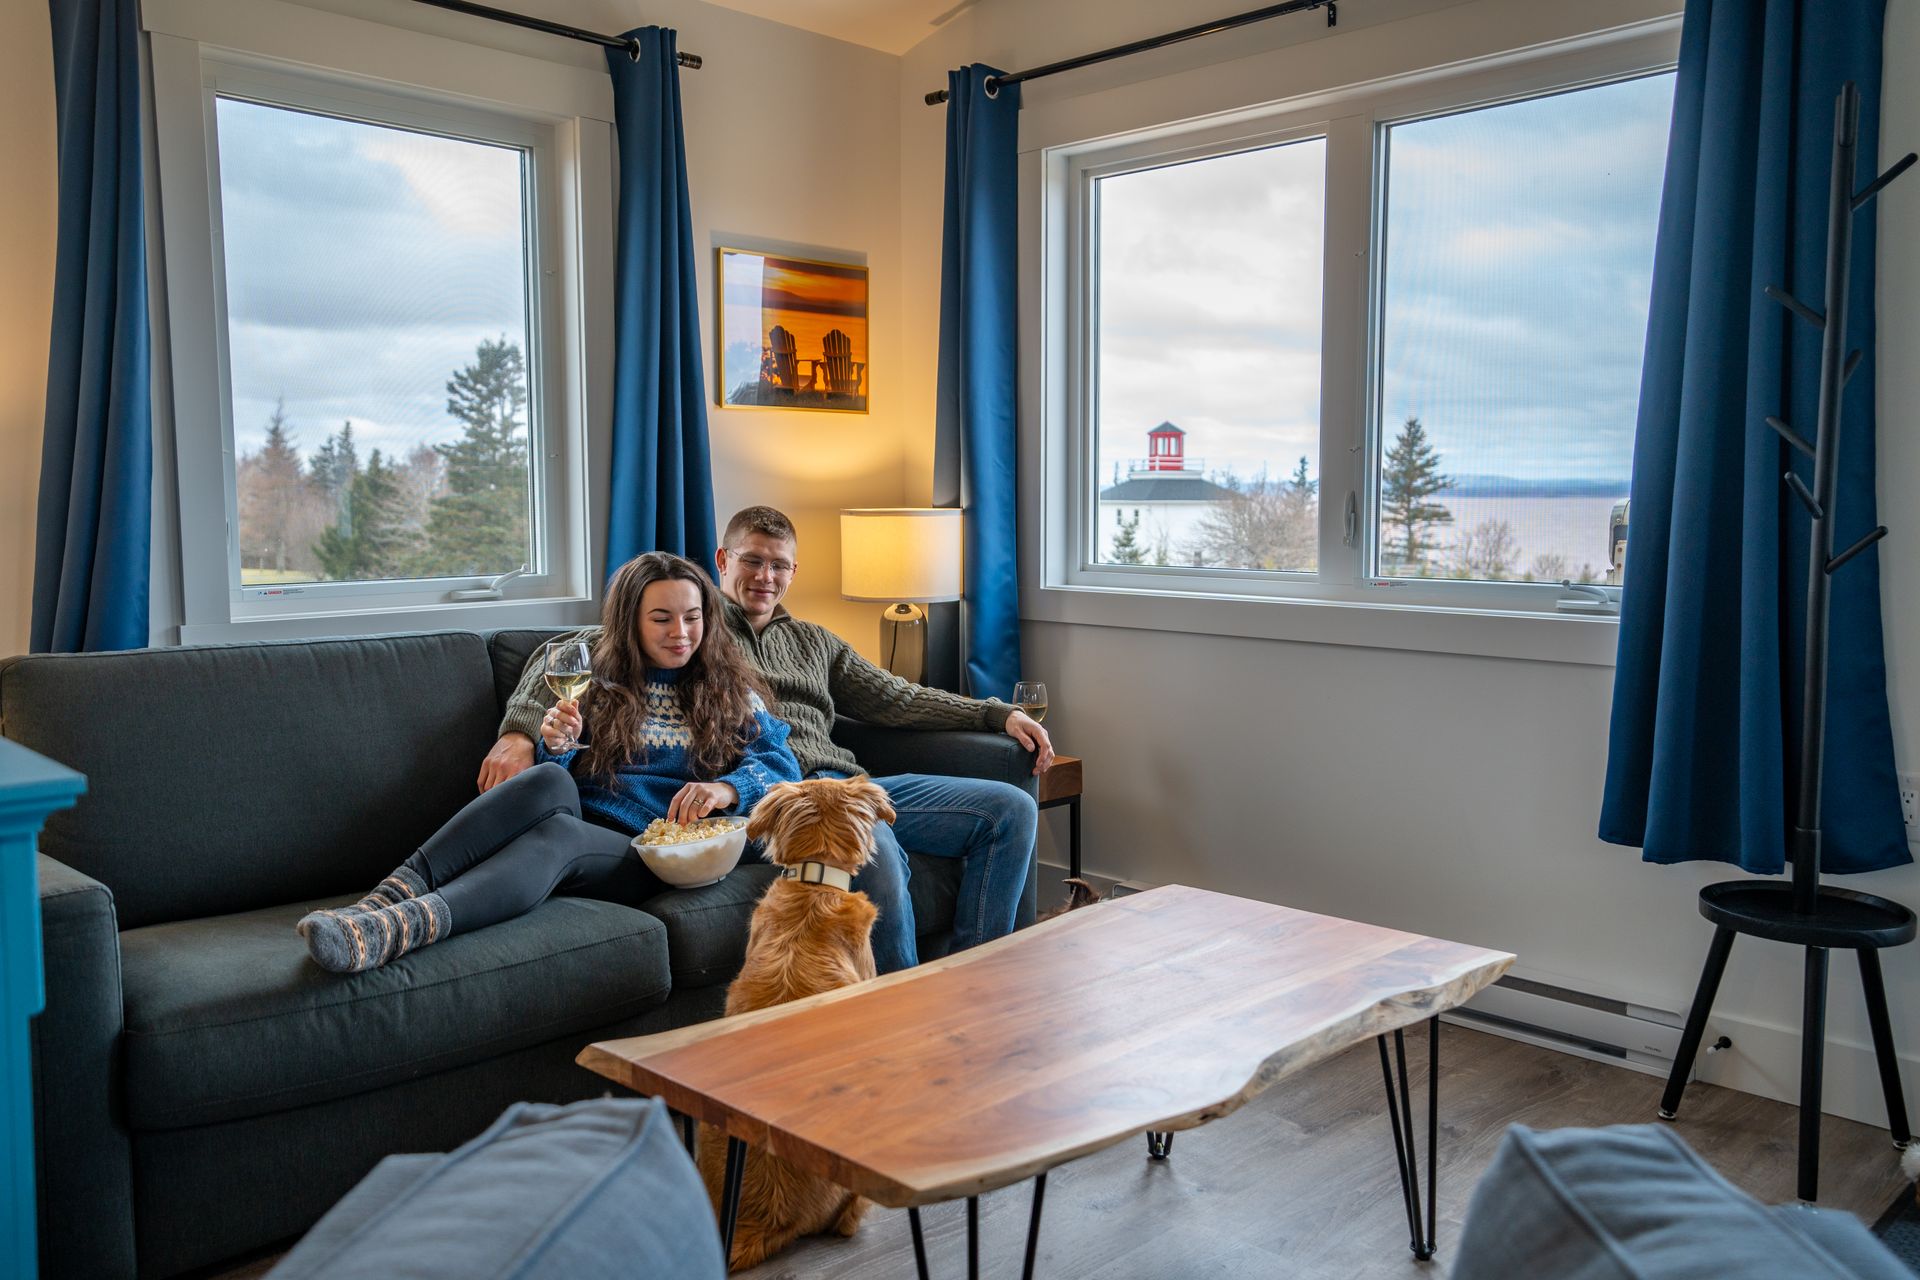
x=1704, y=753
x=975, y=419
x=661, y=495
x=91, y=546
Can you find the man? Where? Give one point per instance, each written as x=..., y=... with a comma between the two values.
x=814, y=676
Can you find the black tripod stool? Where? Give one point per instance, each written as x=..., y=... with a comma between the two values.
x=1842, y=921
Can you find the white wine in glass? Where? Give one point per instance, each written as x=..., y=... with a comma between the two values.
x=569, y=670
x=1031, y=697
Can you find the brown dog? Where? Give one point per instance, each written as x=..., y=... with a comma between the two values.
x=806, y=937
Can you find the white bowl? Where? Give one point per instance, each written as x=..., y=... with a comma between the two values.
x=697, y=862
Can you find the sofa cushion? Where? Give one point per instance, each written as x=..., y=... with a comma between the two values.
x=1634, y=1202
x=226, y=778
x=594, y=1191
x=707, y=927
x=508, y=653
x=227, y=1017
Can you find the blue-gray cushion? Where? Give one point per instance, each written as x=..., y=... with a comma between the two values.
x=1634, y=1202
x=227, y=1017
x=596, y=1189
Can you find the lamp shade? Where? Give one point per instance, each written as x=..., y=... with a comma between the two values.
x=900, y=554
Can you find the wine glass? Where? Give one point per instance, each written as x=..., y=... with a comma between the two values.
x=569, y=669
x=1031, y=697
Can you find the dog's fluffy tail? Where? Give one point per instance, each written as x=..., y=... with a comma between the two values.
x=1910, y=1162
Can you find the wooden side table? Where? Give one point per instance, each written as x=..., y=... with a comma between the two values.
x=1060, y=785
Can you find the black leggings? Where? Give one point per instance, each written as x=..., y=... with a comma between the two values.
x=522, y=843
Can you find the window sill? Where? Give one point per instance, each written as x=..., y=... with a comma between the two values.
x=550, y=611
x=1579, y=640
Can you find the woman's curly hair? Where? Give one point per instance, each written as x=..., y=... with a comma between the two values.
x=717, y=686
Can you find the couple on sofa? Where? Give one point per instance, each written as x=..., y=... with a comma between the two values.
x=690, y=717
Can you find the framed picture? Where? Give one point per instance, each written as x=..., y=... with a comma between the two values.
x=793, y=333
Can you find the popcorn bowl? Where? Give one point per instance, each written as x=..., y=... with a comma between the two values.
x=688, y=864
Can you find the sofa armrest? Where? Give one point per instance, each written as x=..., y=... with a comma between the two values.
x=85, y=1182
x=959, y=753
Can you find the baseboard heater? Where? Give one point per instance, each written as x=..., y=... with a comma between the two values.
x=1576, y=1022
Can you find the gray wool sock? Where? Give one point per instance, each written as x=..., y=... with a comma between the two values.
x=404, y=883
x=347, y=941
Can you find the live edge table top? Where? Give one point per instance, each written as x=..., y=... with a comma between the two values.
x=1158, y=1011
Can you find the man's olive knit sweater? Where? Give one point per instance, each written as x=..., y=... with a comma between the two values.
x=814, y=675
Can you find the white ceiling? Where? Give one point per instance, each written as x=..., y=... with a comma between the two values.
x=891, y=26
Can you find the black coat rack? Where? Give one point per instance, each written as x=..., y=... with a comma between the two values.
x=1802, y=912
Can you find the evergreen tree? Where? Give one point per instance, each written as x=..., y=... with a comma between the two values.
x=332, y=468
x=479, y=526
x=1301, y=485
x=366, y=543
x=1126, y=544
x=1412, y=475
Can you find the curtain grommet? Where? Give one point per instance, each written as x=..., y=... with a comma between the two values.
x=992, y=87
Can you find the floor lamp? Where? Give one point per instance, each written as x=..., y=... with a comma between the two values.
x=902, y=557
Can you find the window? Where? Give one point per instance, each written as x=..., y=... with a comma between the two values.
x=380, y=301
x=1384, y=349
x=1208, y=328
x=1518, y=255
x=377, y=334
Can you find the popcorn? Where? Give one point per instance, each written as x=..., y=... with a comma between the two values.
x=660, y=831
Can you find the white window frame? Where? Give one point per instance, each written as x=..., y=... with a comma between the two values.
x=281, y=55
x=1343, y=602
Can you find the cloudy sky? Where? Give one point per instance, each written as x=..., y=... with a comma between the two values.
x=1519, y=250
x=364, y=265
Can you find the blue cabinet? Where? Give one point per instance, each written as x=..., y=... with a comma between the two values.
x=31, y=787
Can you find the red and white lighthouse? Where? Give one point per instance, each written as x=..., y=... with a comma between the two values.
x=1166, y=448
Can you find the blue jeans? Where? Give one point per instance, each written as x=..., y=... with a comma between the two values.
x=989, y=824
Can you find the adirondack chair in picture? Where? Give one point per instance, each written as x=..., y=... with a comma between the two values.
x=843, y=371
x=786, y=364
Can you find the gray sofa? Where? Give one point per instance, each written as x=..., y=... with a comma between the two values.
x=202, y=1089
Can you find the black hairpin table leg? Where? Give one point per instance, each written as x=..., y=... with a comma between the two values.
x=730, y=1195
x=1033, y=1226
x=919, y=1242
x=1400, y=1117
x=973, y=1234
x=1159, y=1145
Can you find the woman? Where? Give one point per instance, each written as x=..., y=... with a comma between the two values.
x=677, y=727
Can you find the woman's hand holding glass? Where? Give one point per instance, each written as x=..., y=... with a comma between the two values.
x=560, y=728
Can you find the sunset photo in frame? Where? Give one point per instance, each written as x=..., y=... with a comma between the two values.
x=793, y=332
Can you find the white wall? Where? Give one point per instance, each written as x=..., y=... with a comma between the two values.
x=1445, y=794
x=26, y=297
x=827, y=114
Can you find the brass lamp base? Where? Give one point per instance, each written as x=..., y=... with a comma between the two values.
x=903, y=641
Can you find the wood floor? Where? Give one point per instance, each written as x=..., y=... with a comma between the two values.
x=1300, y=1182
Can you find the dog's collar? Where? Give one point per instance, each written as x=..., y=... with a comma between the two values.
x=818, y=873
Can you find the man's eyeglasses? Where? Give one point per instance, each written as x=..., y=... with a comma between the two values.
x=754, y=564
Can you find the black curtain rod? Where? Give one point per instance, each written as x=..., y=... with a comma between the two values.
x=939, y=96
x=688, y=60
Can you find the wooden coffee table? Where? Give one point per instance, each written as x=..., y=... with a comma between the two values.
x=1149, y=1014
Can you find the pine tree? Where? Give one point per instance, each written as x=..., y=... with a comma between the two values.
x=1412, y=475
x=1301, y=484
x=365, y=544
x=333, y=466
x=480, y=525
x=1126, y=544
